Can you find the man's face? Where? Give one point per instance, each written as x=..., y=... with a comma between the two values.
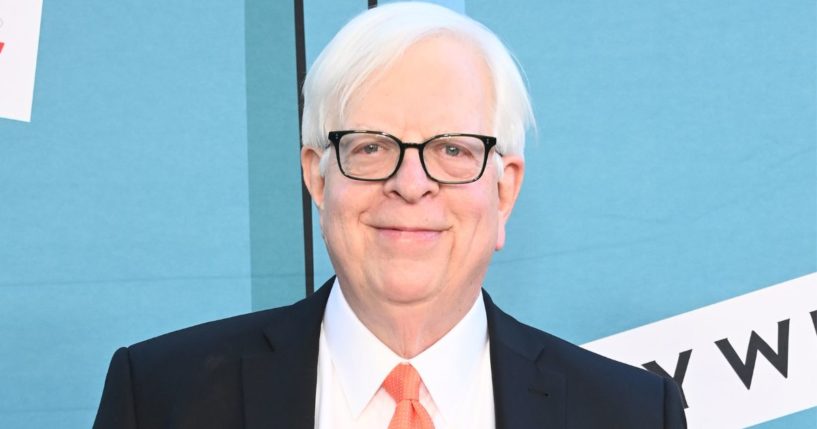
x=409, y=240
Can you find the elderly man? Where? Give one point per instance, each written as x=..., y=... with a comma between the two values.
x=414, y=127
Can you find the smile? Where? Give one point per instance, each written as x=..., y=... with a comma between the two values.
x=409, y=233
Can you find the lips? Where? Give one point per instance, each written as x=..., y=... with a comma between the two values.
x=409, y=233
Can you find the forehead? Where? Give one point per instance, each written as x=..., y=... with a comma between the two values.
x=439, y=84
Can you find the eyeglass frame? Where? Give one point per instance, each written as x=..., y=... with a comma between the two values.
x=488, y=141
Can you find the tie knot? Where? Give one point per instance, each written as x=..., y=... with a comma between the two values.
x=403, y=383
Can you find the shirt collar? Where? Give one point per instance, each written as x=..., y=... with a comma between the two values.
x=448, y=368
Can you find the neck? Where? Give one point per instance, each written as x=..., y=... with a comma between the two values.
x=410, y=328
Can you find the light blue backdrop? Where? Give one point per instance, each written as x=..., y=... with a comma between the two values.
x=157, y=184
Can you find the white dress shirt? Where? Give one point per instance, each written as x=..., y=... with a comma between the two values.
x=456, y=391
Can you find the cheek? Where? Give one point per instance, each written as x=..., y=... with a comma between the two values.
x=333, y=209
x=343, y=204
x=477, y=212
x=482, y=202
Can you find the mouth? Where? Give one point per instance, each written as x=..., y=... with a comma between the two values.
x=409, y=233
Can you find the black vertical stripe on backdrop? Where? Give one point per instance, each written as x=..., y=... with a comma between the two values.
x=306, y=201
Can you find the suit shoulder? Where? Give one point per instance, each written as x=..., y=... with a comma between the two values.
x=229, y=339
x=572, y=356
x=209, y=333
x=618, y=394
x=225, y=339
x=577, y=362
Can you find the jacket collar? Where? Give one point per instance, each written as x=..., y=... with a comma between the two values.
x=279, y=385
x=527, y=393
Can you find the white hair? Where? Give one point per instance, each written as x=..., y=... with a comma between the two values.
x=377, y=37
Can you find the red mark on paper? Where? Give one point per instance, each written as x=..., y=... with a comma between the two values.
x=1, y=47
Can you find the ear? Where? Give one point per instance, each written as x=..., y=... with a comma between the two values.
x=508, y=189
x=310, y=166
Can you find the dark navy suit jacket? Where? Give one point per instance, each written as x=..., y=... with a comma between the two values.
x=260, y=371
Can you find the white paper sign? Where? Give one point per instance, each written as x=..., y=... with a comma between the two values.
x=19, y=40
x=739, y=362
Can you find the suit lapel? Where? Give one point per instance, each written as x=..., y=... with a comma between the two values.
x=527, y=394
x=279, y=385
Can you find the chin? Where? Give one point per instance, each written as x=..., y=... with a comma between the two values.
x=407, y=288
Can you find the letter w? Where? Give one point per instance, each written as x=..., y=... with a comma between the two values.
x=779, y=359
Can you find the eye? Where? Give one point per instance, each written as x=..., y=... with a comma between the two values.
x=452, y=150
x=370, y=148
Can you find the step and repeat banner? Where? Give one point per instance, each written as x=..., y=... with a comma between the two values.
x=19, y=39
x=739, y=362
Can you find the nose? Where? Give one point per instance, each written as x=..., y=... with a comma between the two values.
x=410, y=182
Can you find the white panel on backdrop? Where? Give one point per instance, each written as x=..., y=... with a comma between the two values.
x=19, y=39
x=740, y=362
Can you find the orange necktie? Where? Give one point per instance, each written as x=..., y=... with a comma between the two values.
x=403, y=384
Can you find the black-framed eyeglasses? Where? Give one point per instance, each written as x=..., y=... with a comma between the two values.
x=453, y=158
